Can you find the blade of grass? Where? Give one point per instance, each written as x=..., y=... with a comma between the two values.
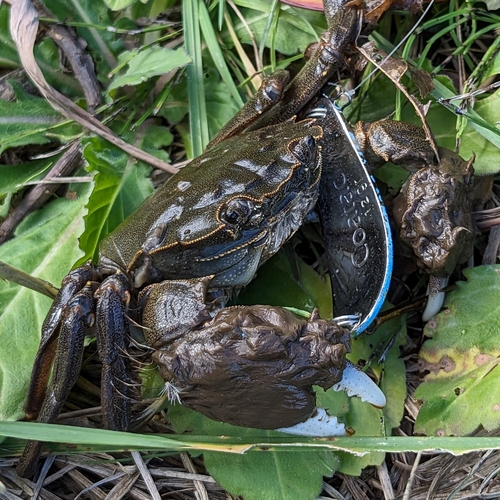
x=114, y=441
x=216, y=53
x=245, y=60
x=487, y=130
x=196, y=91
x=271, y=26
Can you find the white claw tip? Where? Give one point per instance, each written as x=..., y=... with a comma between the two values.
x=436, y=297
x=319, y=425
x=357, y=383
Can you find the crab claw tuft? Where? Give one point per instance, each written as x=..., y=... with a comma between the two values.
x=319, y=425
x=357, y=383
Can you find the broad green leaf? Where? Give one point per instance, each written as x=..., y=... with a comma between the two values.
x=32, y=120
x=46, y=245
x=477, y=139
x=255, y=475
x=119, y=4
x=258, y=476
x=8, y=53
x=287, y=281
x=393, y=175
x=494, y=66
x=150, y=62
x=121, y=184
x=461, y=391
x=474, y=141
x=15, y=176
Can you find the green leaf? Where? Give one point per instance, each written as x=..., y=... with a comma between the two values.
x=476, y=139
x=198, y=124
x=259, y=476
x=15, y=176
x=46, y=245
x=461, y=392
x=103, y=440
x=287, y=476
x=215, y=50
x=119, y=4
x=148, y=63
x=8, y=52
x=32, y=120
x=121, y=184
x=285, y=280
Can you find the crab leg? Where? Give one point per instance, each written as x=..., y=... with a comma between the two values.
x=436, y=296
x=268, y=95
x=112, y=331
x=78, y=315
x=274, y=103
x=71, y=285
x=343, y=27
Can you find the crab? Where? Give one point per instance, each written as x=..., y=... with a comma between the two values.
x=199, y=239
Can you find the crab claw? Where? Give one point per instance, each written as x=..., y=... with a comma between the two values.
x=319, y=425
x=436, y=296
x=357, y=383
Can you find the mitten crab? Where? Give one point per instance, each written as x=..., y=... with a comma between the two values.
x=176, y=261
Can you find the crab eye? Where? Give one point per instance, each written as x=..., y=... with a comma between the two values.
x=237, y=211
x=304, y=149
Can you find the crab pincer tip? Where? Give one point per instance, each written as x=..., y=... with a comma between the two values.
x=356, y=383
x=320, y=424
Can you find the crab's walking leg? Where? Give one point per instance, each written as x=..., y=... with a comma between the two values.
x=112, y=331
x=268, y=95
x=436, y=296
x=78, y=315
x=274, y=103
x=71, y=285
x=328, y=57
